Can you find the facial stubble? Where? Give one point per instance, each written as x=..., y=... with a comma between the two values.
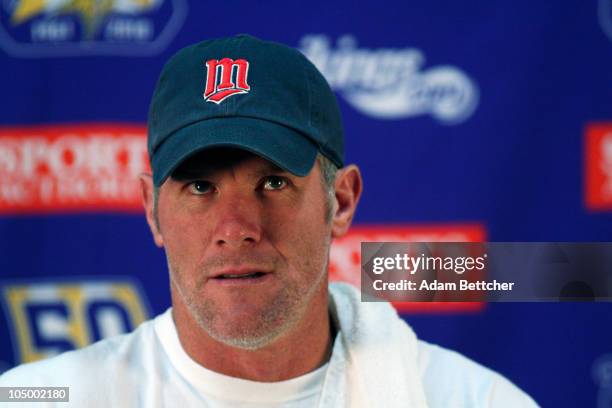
x=276, y=319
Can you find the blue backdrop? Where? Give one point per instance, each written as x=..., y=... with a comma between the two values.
x=490, y=116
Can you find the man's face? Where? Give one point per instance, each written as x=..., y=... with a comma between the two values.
x=247, y=245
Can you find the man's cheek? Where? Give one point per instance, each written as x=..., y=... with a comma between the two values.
x=312, y=248
x=181, y=258
x=178, y=232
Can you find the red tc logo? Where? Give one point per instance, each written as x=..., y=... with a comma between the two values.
x=221, y=82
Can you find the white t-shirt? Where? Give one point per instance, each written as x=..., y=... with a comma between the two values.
x=222, y=391
x=149, y=368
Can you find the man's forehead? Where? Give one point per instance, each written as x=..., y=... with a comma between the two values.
x=223, y=158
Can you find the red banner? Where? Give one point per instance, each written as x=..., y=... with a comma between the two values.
x=598, y=166
x=71, y=167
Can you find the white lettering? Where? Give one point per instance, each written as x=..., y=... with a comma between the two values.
x=129, y=29
x=52, y=30
x=388, y=83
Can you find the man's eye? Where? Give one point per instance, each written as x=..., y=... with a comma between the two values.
x=200, y=187
x=274, y=183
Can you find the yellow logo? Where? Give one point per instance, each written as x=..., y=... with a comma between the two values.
x=91, y=12
x=48, y=318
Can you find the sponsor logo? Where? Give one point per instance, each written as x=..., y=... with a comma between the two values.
x=604, y=14
x=598, y=166
x=221, y=82
x=602, y=374
x=345, y=255
x=37, y=28
x=390, y=83
x=49, y=317
x=77, y=167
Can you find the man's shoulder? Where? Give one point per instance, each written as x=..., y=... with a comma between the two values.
x=448, y=378
x=451, y=378
x=111, y=357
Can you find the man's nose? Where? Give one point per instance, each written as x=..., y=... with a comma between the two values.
x=238, y=221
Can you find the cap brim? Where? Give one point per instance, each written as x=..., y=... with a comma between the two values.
x=279, y=144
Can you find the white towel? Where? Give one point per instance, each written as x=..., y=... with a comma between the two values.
x=374, y=359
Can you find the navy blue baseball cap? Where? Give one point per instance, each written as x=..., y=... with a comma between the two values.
x=243, y=92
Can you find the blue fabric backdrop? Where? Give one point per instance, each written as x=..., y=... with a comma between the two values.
x=459, y=113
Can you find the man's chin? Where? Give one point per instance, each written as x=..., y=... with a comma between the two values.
x=248, y=323
x=250, y=342
x=248, y=335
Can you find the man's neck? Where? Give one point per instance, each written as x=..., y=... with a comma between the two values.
x=305, y=347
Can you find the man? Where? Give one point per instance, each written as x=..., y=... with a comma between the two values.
x=247, y=191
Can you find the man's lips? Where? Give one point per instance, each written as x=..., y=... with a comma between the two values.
x=241, y=277
x=240, y=273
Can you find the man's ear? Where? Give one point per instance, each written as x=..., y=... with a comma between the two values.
x=348, y=190
x=146, y=185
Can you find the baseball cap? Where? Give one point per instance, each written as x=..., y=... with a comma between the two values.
x=242, y=92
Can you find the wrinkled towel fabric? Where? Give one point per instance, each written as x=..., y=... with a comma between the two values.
x=374, y=360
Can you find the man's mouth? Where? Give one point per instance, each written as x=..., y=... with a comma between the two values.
x=251, y=275
x=241, y=276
